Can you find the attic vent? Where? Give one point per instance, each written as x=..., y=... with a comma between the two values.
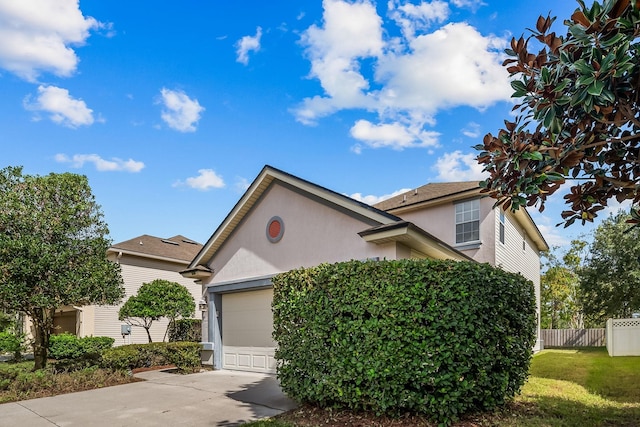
x=170, y=242
x=415, y=192
x=404, y=198
x=189, y=242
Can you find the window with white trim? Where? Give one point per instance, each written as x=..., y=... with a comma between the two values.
x=468, y=221
x=502, y=222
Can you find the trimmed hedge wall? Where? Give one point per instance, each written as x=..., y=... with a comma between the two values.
x=185, y=355
x=440, y=338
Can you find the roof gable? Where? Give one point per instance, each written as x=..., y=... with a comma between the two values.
x=267, y=177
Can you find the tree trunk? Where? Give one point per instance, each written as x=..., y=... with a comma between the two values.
x=42, y=322
x=148, y=334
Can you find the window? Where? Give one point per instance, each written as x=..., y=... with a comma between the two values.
x=468, y=221
x=502, y=227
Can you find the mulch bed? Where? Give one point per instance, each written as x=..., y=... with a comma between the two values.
x=312, y=416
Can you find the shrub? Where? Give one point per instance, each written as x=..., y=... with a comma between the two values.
x=14, y=343
x=186, y=330
x=435, y=337
x=72, y=353
x=185, y=355
x=67, y=346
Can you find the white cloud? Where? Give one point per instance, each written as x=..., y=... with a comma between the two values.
x=552, y=235
x=614, y=206
x=206, y=180
x=102, y=165
x=413, y=18
x=392, y=135
x=242, y=184
x=61, y=107
x=456, y=166
x=453, y=66
x=180, y=112
x=372, y=200
x=248, y=44
x=37, y=35
x=351, y=31
x=468, y=4
x=414, y=76
x=472, y=130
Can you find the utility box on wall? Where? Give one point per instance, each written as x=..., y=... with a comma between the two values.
x=125, y=330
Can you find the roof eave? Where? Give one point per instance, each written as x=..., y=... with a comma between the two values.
x=414, y=237
x=119, y=252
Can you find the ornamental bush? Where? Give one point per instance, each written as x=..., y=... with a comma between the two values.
x=440, y=338
x=72, y=353
x=185, y=355
x=68, y=346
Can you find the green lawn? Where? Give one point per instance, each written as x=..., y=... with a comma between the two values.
x=582, y=388
x=566, y=388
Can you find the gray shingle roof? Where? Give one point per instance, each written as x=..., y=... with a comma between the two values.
x=426, y=193
x=176, y=247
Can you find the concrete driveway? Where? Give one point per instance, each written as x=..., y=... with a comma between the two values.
x=214, y=398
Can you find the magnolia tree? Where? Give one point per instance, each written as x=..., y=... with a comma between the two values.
x=52, y=250
x=579, y=114
x=157, y=299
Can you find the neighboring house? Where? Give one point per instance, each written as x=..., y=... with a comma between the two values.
x=142, y=260
x=283, y=222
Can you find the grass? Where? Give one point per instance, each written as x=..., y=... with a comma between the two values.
x=566, y=388
x=18, y=382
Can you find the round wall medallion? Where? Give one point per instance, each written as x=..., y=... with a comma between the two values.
x=275, y=229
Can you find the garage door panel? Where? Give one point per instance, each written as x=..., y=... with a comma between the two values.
x=247, y=325
x=254, y=359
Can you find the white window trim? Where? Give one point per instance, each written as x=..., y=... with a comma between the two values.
x=471, y=244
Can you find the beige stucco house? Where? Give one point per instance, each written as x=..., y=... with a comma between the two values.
x=142, y=259
x=283, y=222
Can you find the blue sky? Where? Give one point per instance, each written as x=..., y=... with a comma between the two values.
x=171, y=110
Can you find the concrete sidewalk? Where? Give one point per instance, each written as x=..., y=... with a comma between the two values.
x=214, y=398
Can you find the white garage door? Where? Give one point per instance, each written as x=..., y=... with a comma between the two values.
x=247, y=324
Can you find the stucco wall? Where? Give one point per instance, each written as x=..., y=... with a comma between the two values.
x=314, y=233
x=439, y=220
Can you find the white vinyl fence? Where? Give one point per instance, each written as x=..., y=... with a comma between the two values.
x=623, y=337
x=573, y=337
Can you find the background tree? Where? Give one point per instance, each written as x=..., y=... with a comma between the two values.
x=579, y=114
x=52, y=249
x=610, y=277
x=157, y=299
x=560, y=290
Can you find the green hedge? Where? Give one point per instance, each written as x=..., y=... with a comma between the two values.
x=440, y=338
x=186, y=330
x=72, y=353
x=185, y=355
x=67, y=346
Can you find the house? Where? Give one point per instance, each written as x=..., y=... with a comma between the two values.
x=142, y=260
x=283, y=222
